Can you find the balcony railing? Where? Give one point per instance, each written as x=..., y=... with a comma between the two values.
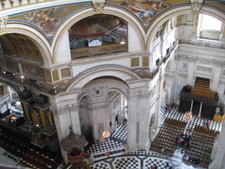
x=100, y=50
x=7, y=4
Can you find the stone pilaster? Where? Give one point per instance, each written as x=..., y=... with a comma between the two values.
x=138, y=112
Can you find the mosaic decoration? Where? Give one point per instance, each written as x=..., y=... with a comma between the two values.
x=47, y=19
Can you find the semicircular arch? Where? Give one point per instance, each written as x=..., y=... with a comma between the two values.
x=89, y=12
x=176, y=12
x=120, y=72
x=39, y=40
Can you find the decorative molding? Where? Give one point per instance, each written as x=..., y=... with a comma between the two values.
x=98, y=6
x=196, y=5
x=204, y=69
x=3, y=22
x=144, y=94
x=65, y=109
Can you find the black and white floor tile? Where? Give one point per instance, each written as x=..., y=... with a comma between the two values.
x=105, y=146
x=120, y=133
x=141, y=159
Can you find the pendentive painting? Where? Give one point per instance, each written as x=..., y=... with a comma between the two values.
x=47, y=19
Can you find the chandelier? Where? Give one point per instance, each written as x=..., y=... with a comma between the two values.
x=105, y=134
x=187, y=116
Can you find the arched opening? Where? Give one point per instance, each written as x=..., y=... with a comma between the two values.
x=84, y=117
x=97, y=35
x=103, y=107
x=118, y=115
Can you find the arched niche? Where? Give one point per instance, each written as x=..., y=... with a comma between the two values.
x=137, y=29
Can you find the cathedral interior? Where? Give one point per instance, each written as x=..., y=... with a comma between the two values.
x=112, y=84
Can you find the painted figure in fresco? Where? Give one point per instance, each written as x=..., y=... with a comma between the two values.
x=47, y=19
x=143, y=10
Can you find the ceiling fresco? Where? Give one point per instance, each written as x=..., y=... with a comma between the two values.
x=48, y=20
x=146, y=10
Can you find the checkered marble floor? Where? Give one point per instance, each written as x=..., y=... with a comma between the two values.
x=120, y=133
x=105, y=146
x=175, y=114
x=132, y=162
x=141, y=159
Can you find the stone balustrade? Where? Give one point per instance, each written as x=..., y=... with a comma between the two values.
x=7, y=4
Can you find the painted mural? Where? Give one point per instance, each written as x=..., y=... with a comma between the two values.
x=145, y=10
x=47, y=19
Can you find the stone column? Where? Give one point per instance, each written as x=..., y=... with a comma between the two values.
x=100, y=120
x=132, y=122
x=144, y=116
x=74, y=116
x=65, y=114
x=138, y=120
x=200, y=110
x=61, y=119
x=191, y=105
x=216, y=78
x=190, y=75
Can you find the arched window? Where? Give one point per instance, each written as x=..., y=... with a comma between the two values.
x=209, y=27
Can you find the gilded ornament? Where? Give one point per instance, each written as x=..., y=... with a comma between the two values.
x=98, y=6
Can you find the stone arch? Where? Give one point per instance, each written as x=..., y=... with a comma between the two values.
x=105, y=92
x=175, y=12
x=39, y=40
x=119, y=12
x=119, y=72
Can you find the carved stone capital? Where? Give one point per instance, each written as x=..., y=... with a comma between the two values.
x=3, y=22
x=98, y=6
x=196, y=5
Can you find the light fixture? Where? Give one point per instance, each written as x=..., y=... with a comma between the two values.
x=187, y=116
x=22, y=78
x=105, y=134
